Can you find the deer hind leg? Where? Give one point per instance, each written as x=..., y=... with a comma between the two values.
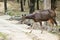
x=55, y=22
x=51, y=22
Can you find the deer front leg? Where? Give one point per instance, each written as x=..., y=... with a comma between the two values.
x=41, y=26
x=31, y=28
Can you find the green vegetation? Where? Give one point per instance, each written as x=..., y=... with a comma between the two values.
x=16, y=13
x=3, y=36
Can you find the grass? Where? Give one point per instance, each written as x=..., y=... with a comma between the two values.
x=3, y=36
x=16, y=13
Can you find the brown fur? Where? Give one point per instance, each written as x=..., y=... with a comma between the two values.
x=43, y=15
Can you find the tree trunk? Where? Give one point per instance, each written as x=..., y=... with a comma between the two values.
x=18, y=1
x=28, y=3
x=24, y=2
x=32, y=6
x=21, y=2
x=5, y=5
x=53, y=4
x=37, y=4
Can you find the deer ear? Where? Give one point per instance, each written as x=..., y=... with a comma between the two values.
x=24, y=14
